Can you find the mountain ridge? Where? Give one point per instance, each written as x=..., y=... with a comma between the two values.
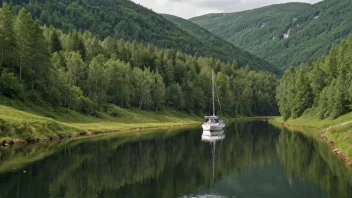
x=243, y=11
x=122, y=19
x=215, y=41
x=284, y=34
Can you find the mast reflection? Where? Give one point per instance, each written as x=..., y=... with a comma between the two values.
x=213, y=138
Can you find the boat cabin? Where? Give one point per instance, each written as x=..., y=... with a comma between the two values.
x=211, y=119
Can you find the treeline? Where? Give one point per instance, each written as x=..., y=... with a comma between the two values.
x=323, y=86
x=78, y=71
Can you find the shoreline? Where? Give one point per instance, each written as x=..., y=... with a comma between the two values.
x=33, y=124
x=8, y=142
x=320, y=133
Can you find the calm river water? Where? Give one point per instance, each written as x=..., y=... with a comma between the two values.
x=254, y=159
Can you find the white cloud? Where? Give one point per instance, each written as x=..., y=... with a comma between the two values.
x=177, y=8
x=191, y=8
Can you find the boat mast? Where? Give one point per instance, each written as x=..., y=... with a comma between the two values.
x=213, y=87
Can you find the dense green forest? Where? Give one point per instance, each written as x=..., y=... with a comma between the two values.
x=222, y=46
x=286, y=34
x=322, y=88
x=79, y=71
x=126, y=20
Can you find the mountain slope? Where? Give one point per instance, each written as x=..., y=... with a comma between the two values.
x=222, y=46
x=122, y=19
x=286, y=34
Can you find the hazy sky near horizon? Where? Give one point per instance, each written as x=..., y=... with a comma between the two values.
x=191, y=8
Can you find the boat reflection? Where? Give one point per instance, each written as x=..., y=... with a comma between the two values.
x=213, y=138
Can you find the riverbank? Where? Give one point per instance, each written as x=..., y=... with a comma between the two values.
x=29, y=123
x=337, y=132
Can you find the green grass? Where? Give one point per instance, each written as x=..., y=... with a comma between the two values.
x=342, y=135
x=20, y=120
x=311, y=121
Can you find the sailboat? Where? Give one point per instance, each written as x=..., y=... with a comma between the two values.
x=213, y=124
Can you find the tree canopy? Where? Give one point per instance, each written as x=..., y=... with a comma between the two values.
x=322, y=88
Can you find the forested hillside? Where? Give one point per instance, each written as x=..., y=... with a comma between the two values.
x=323, y=87
x=287, y=34
x=81, y=72
x=126, y=20
x=222, y=46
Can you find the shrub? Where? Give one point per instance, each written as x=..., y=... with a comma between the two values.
x=10, y=85
x=85, y=105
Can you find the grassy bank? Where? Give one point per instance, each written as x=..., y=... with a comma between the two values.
x=337, y=130
x=21, y=121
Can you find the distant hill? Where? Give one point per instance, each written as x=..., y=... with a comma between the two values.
x=125, y=20
x=223, y=47
x=285, y=34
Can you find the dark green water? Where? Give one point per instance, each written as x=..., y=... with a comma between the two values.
x=254, y=160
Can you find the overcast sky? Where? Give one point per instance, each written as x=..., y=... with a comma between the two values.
x=190, y=8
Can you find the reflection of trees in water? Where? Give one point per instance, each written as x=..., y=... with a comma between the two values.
x=19, y=156
x=305, y=157
x=156, y=166
x=166, y=167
